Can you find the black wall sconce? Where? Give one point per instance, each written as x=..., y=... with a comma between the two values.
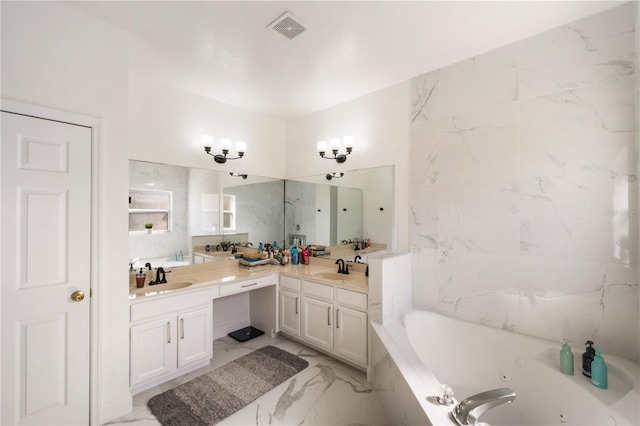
x=241, y=147
x=330, y=176
x=335, y=147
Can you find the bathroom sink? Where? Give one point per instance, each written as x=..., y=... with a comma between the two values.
x=161, y=288
x=332, y=276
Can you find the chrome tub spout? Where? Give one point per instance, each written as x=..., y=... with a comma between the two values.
x=469, y=411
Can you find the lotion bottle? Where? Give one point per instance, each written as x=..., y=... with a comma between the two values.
x=599, y=371
x=587, y=358
x=566, y=358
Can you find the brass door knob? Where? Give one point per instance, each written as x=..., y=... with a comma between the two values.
x=77, y=296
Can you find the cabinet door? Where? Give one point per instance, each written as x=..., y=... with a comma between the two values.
x=317, y=322
x=194, y=336
x=153, y=350
x=290, y=313
x=351, y=334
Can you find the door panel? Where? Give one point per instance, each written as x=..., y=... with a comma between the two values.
x=351, y=334
x=46, y=226
x=317, y=322
x=153, y=350
x=196, y=341
x=290, y=312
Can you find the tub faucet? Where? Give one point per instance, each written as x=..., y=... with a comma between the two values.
x=469, y=410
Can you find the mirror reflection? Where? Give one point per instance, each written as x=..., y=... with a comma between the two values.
x=209, y=207
x=334, y=208
x=206, y=207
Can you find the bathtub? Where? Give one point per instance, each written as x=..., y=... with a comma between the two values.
x=413, y=357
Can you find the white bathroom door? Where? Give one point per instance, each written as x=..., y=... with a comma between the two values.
x=45, y=271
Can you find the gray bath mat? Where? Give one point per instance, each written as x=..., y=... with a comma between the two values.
x=212, y=397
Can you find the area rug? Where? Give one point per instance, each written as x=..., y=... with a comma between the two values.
x=214, y=396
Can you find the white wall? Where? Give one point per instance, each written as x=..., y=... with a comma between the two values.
x=57, y=57
x=524, y=186
x=166, y=125
x=379, y=122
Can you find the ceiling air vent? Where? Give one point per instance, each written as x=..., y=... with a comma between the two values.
x=288, y=25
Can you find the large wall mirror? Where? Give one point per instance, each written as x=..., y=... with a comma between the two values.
x=329, y=209
x=203, y=203
x=245, y=208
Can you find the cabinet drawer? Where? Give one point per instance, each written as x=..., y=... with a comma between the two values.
x=290, y=283
x=318, y=290
x=247, y=285
x=142, y=311
x=352, y=298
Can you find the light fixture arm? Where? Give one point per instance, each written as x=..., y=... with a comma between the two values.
x=340, y=158
x=222, y=158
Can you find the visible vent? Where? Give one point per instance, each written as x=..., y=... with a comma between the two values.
x=288, y=25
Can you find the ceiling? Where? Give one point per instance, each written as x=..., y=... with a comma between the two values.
x=224, y=50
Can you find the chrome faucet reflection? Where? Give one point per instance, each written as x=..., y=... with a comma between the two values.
x=469, y=410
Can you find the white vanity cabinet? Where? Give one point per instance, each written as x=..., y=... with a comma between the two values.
x=316, y=322
x=290, y=305
x=327, y=317
x=170, y=336
x=290, y=312
x=153, y=350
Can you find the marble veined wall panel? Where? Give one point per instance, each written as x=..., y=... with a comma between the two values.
x=524, y=186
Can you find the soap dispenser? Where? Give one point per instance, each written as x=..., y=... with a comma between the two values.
x=587, y=358
x=599, y=371
x=566, y=358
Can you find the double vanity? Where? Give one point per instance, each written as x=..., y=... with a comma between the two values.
x=172, y=324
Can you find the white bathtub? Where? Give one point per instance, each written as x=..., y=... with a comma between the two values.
x=428, y=349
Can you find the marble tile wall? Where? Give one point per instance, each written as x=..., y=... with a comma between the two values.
x=524, y=191
x=256, y=212
x=300, y=209
x=143, y=175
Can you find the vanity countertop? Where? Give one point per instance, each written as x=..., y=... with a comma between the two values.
x=226, y=272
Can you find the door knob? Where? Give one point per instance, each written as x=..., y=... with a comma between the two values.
x=77, y=296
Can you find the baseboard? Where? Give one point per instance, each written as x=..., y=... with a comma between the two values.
x=224, y=329
x=177, y=373
x=115, y=409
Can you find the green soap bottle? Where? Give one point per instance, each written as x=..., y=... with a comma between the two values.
x=566, y=358
x=599, y=371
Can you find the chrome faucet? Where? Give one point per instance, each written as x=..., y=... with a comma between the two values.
x=469, y=410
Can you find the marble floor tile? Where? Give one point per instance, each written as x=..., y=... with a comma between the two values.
x=328, y=392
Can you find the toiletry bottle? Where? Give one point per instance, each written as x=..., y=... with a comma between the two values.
x=180, y=256
x=175, y=255
x=140, y=279
x=294, y=255
x=599, y=371
x=566, y=358
x=305, y=255
x=260, y=247
x=587, y=358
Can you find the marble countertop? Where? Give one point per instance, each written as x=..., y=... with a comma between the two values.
x=225, y=272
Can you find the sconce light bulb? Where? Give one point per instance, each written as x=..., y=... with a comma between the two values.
x=225, y=143
x=348, y=141
x=207, y=140
x=241, y=147
x=322, y=146
x=335, y=143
